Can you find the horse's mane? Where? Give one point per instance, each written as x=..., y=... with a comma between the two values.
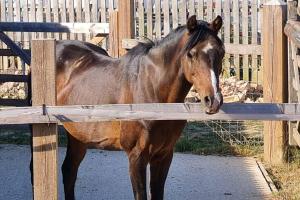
x=200, y=34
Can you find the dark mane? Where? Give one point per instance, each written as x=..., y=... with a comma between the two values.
x=200, y=34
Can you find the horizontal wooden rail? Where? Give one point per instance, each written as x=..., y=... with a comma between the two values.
x=292, y=30
x=14, y=102
x=241, y=49
x=9, y=52
x=13, y=78
x=127, y=112
x=95, y=28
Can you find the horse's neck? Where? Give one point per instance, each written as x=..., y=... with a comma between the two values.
x=172, y=86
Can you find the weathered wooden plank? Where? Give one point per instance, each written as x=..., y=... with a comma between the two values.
x=182, y=12
x=209, y=10
x=296, y=136
x=191, y=7
x=126, y=21
x=275, y=78
x=245, y=19
x=10, y=18
x=93, y=28
x=200, y=12
x=14, y=102
x=95, y=17
x=218, y=12
x=150, y=19
x=129, y=112
x=79, y=17
x=2, y=18
x=254, y=30
x=40, y=17
x=48, y=16
x=17, y=18
x=114, y=34
x=103, y=10
x=63, y=16
x=157, y=19
x=87, y=15
x=227, y=30
x=236, y=35
x=103, y=18
x=71, y=10
x=44, y=135
x=9, y=52
x=13, y=78
x=175, y=14
x=55, y=11
x=292, y=30
x=141, y=32
x=25, y=8
x=166, y=11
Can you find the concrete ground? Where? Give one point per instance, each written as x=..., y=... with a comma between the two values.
x=104, y=175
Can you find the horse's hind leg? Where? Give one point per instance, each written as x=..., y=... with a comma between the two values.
x=75, y=153
x=159, y=167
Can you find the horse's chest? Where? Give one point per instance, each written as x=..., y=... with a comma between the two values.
x=155, y=135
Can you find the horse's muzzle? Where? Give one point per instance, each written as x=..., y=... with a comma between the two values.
x=213, y=104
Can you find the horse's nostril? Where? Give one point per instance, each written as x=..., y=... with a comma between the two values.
x=208, y=101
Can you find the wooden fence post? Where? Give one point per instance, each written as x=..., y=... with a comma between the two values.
x=275, y=77
x=126, y=22
x=114, y=34
x=44, y=135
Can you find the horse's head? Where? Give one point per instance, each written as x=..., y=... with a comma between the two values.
x=202, y=60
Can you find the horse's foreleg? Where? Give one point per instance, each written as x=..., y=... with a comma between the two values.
x=159, y=167
x=137, y=170
x=75, y=153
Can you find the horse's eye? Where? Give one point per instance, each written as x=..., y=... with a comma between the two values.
x=189, y=55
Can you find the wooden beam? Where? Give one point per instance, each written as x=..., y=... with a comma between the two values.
x=96, y=113
x=13, y=78
x=14, y=102
x=44, y=135
x=9, y=52
x=241, y=49
x=296, y=136
x=93, y=28
x=275, y=77
x=114, y=34
x=292, y=31
x=15, y=48
x=126, y=22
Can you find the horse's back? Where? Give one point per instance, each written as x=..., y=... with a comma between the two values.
x=82, y=70
x=85, y=76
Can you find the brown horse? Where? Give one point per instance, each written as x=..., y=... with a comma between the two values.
x=161, y=72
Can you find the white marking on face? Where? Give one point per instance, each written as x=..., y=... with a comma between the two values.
x=214, y=85
x=207, y=48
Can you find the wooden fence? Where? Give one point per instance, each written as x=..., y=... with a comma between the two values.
x=45, y=115
x=241, y=32
x=87, y=11
x=292, y=30
x=153, y=19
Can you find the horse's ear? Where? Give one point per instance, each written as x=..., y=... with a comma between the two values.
x=192, y=23
x=216, y=24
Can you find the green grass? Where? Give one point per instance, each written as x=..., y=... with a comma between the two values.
x=198, y=138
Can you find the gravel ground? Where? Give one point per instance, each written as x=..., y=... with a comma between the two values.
x=104, y=175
